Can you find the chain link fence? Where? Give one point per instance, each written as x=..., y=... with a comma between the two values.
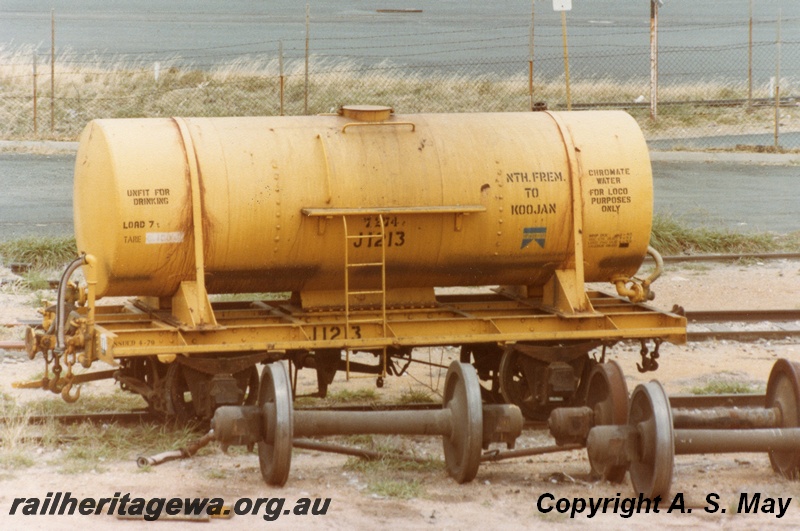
x=727, y=85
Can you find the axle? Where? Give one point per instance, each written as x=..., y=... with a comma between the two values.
x=465, y=425
x=655, y=432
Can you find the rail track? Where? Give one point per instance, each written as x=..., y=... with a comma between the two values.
x=132, y=418
x=128, y=418
x=742, y=325
x=138, y=417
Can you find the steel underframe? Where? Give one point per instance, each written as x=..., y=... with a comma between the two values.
x=273, y=326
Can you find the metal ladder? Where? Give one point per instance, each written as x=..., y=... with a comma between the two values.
x=349, y=293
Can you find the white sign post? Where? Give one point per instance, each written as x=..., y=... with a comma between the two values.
x=564, y=6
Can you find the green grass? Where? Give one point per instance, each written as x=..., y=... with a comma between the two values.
x=357, y=396
x=95, y=446
x=721, y=387
x=83, y=447
x=397, y=488
x=391, y=462
x=88, y=403
x=672, y=235
x=415, y=396
x=391, y=476
x=363, y=396
x=16, y=450
x=39, y=252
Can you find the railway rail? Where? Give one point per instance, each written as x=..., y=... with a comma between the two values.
x=132, y=418
x=128, y=418
x=742, y=325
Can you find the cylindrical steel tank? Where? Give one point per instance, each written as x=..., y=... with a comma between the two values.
x=265, y=184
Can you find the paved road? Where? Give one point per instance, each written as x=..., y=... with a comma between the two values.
x=740, y=197
x=37, y=195
x=787, y=140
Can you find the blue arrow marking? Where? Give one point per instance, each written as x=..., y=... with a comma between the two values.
x=533, y=234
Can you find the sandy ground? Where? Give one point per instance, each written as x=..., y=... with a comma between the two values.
x=505, y=494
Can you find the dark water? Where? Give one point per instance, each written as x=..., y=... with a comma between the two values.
x=607, y=38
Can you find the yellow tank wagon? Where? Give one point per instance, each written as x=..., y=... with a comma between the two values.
x=354, y=219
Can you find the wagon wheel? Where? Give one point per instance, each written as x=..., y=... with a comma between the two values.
x=650, y=414
x=462, y=447
x=783, y=392
x=607, y=396
x=275, y=401
x=179, y=398
x=518, y=384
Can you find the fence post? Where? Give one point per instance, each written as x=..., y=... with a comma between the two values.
x=566, y=58
x=653, y=59
x=750, y=59
x=281, y=78
x=305, y=101
x=778, y=84
x=52, y=71
x=530, y=59
x=35, y=97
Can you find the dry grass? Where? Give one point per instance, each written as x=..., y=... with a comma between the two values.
x=89, y=87
x=81, y=447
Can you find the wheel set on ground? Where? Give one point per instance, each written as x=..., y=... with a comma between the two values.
x=273, y=423
x=655, y=432
x=641, y=435
x=607, y=397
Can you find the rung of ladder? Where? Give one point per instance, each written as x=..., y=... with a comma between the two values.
x=365, y=292
x=366, y=264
